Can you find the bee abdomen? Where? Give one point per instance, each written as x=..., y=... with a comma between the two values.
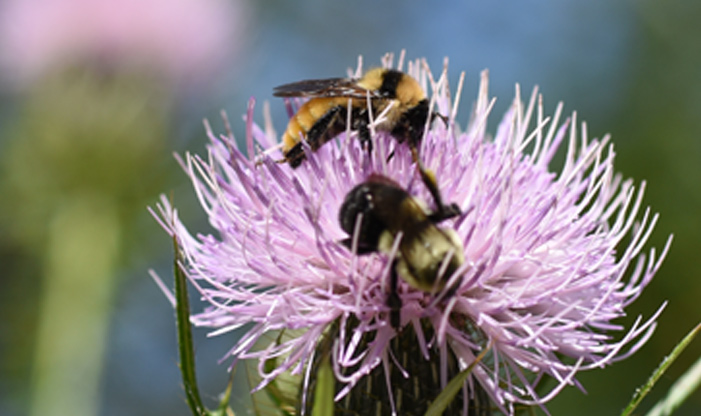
x=317, y=121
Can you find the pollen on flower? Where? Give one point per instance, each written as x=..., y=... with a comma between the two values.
x=551, y=259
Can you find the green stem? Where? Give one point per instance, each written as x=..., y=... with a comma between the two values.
x=81, y=257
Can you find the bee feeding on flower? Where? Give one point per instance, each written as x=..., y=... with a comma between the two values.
x=537, y=274
x=383, y=213
x=338, y=103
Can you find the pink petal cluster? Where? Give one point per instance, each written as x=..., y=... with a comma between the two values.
x=183, y=38
x=552, y=258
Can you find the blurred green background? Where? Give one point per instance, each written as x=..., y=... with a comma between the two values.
x=86, y=145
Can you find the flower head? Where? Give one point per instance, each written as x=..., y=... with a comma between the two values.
x=551, y=258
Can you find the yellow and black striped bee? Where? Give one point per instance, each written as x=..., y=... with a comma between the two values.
x=427, y=254
x=325, y=115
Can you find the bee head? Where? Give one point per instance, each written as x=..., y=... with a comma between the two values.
x=360, y=200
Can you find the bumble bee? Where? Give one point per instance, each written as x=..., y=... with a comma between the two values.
x=427, y=254
x=325, y=115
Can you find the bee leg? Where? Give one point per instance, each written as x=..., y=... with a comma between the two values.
x=429, y=179
x=443, y=118
x=364, y=134
x=294, y=156
x=327, y=127
x=448, y=211
x=394, y=302
x=391, y=155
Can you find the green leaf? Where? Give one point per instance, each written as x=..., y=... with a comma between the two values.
x=645, y=389
x=278, y=397
x=680, y=391
x=186, y=348
x=454, y=385
x=223, y=409
x=324, y=391
x=185, y=345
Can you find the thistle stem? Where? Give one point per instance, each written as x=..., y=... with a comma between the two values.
x=81, y=257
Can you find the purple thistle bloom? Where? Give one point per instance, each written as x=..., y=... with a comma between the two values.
x=551, y=258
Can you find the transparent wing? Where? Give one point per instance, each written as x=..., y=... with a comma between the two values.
x=329, y=87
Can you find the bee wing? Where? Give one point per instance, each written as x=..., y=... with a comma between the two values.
x=330, y=87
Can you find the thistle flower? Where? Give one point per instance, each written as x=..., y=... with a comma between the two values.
x=551, y=258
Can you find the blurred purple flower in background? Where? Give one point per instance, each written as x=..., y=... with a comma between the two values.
x=184, y=39
x=552, y=257
x=98, y=83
